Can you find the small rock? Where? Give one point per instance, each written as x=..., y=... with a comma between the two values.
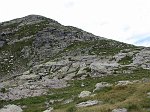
x=5, y=59
x=11, y=108
x=88, y=103
x=11, y=56
x=84, y=94
x=82, y=85
x=120, y=110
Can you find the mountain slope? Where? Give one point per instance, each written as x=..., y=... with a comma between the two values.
x=33, y=39
x=42, y=60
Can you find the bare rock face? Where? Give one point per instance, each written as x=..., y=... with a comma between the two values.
x=142, y=58
x=29, y=87
x=11, y=108
x=102, y=68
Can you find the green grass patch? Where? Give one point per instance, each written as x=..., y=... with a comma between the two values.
x=126, y=60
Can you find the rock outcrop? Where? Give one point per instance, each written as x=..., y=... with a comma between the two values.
x=11, y=108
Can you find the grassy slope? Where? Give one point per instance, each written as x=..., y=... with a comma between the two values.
x=94, y=47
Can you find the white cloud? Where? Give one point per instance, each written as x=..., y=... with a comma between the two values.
x=122, y=20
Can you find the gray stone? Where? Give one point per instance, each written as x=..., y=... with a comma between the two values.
x=11, y=108
x=148, y=93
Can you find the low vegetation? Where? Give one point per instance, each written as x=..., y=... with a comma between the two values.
x=126, y=60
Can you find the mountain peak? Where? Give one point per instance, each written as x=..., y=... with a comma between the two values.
x=34, y=17
x=29, y=19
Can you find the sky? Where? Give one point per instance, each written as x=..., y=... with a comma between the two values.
x=123, y=20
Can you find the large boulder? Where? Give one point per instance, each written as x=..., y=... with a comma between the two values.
x=11, y=108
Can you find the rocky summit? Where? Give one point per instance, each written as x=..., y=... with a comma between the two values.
x=49, y=67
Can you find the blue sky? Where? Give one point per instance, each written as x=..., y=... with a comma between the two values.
x=143, y=40
x=123, y=20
